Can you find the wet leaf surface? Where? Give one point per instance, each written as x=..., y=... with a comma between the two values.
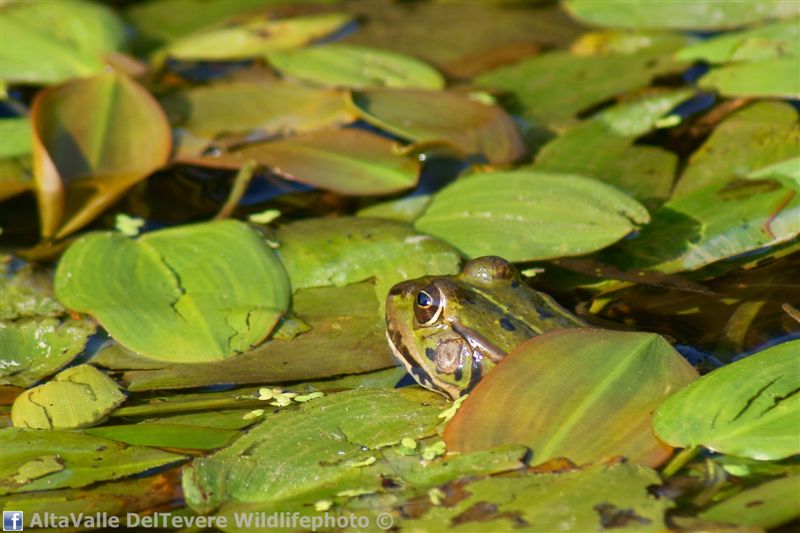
x=569, y=413
x=525, y=215
x=749, y=408
x=195, y=293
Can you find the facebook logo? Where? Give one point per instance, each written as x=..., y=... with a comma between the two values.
x=12, y=520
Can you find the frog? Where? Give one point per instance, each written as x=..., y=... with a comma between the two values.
x=450, y=331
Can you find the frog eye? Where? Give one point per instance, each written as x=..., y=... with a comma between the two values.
x=428, y=305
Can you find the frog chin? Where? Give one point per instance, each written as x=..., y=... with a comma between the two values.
x=420, y=375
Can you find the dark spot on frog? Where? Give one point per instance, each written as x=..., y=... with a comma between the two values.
x=506, y=324
x=514, y=283
x=544, y=312
x=477, y=372
x=430, y=353
x=459, y=374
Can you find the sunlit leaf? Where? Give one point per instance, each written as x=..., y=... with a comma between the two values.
x=526, y=215
x=556, y=86
x=347, y=65
x=77, y=397
x=778, y=78
x=565, y=411
x=763, y=42
x=16, y=135
x=768, y=505
x=687, y=14
x=83, y=459
x=253, y=36
x=749, y=408
x=50, y=42
x=93, y=140
x=192, y=293
x=753, y=138
x=471, y=127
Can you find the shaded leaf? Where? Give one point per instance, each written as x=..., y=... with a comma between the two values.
x=526, y=215
x=192, y=293
x=568, y=412
x=44, y=43
x=83, y=459
x=77, y=397
x=763, y=42
x=347, y=65
x=93, y=140
x=768, y=505
x=777, y=78
x=749, y=408
x=690, y=15
x=471, y=127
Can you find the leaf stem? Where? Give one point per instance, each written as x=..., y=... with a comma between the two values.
x=679, y=461
x=240, y=184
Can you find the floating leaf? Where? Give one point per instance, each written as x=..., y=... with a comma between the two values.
x=568, y=412
x=77, y=397
x=526, y=215
x=767, y=506
x=83, y=459
x=43, y=43
x=347, y=65
x=193, y=293
x=554, y=87
x=16, y=135
x=715, y=222
x=603, y=148
x=758, y=136
x=347, y=161
x=347, y=336
x=763, y=42
x=749, y=408
x=692, y=15
x=253, y=36
x=93, y=140
x=471, y=127
x=28, y=293
x=344, y=250
x=772, y=78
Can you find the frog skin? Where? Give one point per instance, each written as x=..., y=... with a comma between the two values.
x=449, y=331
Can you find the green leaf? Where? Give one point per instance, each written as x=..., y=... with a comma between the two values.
x=347, y=65
x=35, y=348
x=473, y=128
x=347, y=161
x=93, y=140
x=192, y=293
x=253, y=36
x=767, y=506
x=679, y=14
x=527, y=215
x=82, y=459
x=772, y=78
x=44, y=43
x=764, y=42
x=598, y=498
x=750, y=408
x=554, y=87
x=569, y=412
x=77, y=397
x=603, y=148
x=319, y=252
x=758, y=136
x=16, y=135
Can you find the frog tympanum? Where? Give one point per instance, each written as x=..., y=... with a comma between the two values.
x=449, y=331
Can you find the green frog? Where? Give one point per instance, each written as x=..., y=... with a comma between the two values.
x=449, y=331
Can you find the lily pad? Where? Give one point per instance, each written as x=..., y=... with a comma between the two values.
x=568, y=412
x=347, y=161
x=93, y=140
x=693, y=15
x=16, y=135
x=193, y=293
x=768, y=505
x=473, y=128
x=44, y=43
x=526, y=215
x=772, y=78
x=344, y=250
x=554, y=87
x=758, y=136
x=749, y=408
x=603, y=148
x=28, y=293
x=347, y=65
x=82, y=459
x=598, y=498
x=771, y=40
x=252, y=36
x=78, y=397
